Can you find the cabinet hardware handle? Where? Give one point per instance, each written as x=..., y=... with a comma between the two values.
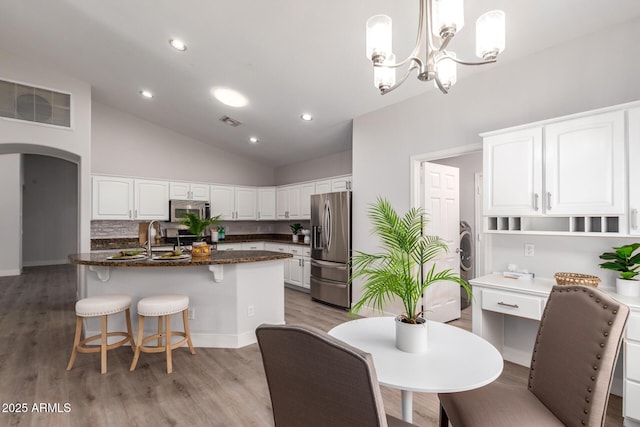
x=508, y=305
x=258, y=215
x=129, y=213
x=135, y=213
x=549, y=200
x=536, y=206
x=634, y=219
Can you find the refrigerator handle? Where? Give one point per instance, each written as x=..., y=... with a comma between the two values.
x=316, y=233
x=327, y=224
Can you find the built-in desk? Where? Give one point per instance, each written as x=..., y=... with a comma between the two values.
x=506, y=312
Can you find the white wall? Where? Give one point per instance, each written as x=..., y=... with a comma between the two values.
x=70, y=144
x=322, y=167
x=11, y=223
x=567, y=79
x=50, y=210
x=123, y=144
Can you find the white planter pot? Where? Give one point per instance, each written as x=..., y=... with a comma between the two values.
x=411, y=338
x=629, y=288
x=294, y=237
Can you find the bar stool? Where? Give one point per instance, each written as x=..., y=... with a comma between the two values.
x=101, y=306
x=162, y=306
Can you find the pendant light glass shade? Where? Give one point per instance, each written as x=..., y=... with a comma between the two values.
x=447, y=71
x=490, y=34
x=448, y=17
x=385, y=77
x=379, y=37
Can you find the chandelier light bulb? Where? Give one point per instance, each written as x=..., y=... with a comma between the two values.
x=384, y=77
x=379, y=38
x=447, y=71
x=490, y=34
x=448, y=17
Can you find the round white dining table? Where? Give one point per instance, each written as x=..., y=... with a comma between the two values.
x=455, y=360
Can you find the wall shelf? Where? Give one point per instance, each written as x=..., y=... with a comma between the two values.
x=587, y=225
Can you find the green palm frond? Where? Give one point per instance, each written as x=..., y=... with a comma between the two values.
x=395, y=271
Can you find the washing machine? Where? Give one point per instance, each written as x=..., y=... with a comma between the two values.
x=466, y=260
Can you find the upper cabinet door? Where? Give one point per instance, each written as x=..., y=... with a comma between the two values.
x=266, y=203
x=306, y=190
x=294, y=197
x=513, y=173
x=200, y=192
x=112, y=198
x=323, y=186
x=179, y=190
x=151, y=199
x=634, y=171
x=245, y=203
x=222, y=202
x=584, y=165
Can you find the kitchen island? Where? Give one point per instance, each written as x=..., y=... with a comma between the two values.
x=230, y=293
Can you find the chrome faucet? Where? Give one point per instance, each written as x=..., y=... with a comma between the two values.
x=149, y=238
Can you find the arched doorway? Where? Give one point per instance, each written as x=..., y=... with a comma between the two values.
x=41, y=218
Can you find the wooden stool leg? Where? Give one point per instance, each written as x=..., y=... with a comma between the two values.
x=160, y=331
x=136, y=354
x=103, y=344
x=167, y=321
x=185, y=321
x=133, y=344
x=76, y=341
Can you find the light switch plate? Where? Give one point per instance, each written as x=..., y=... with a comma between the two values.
x=528, y=249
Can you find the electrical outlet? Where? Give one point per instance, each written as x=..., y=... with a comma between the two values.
x=528, y=249
x=250, y=311
x=191, y=313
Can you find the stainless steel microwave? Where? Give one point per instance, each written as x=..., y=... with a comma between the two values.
x=177, y=209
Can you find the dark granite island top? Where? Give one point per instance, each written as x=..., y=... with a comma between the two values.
x=218, y=257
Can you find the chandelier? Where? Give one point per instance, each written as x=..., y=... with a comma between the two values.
x=438, y=23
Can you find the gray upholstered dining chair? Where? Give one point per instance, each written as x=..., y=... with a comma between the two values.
x=570, y=374
x=317, y=380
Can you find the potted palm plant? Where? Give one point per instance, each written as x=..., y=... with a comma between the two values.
x=396, y=271
x=626, y=262
x=197, y=225
x=294, y=231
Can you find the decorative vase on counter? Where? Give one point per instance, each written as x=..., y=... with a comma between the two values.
x=411, y=337
x=627, y=287
x=200, y=250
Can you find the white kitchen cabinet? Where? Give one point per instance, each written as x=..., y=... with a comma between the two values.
x=233, y=203
x=631, y=368
x=513, y=173
x=584, y=165
x=288, y=202
x=151, y=199
x=633, y=132
x=280, y=247
x=342, y=183
x=323, y=186
x=188, y=191
x=306, y=190
x=112, y=198
x=306, y=267
x=266, y=203
x=120, y=198
x=253, y=246
x=229, y=246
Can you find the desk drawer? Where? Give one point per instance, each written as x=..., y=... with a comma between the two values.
x=633, y=327
x=512, y=304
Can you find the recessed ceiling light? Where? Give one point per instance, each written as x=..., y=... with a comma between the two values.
x=146, y=94
x=178, y=45
x=253, y=140
x=306, y=117
x=229, y=97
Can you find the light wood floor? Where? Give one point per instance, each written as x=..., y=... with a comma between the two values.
x=216, y=387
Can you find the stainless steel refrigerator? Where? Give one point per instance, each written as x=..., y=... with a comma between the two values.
x=331, y=248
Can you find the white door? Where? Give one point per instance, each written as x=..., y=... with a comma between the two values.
x=200, y=192
x=245, y=203
x=267, y=203
x=634, y=172
x=222, y=202
x=179, y=190
x=151, y=199
x=306, y=190
x=441, y=202
x=112, y=198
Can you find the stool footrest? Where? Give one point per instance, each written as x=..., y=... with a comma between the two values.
x=163, y=348
x=82, y=348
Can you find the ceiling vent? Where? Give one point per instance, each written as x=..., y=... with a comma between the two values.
x=33, y=104
x=229, y=121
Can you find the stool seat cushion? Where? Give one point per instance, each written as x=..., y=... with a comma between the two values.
x=162, y=305
x=102, y=305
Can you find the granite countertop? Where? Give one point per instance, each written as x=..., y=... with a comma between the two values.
x=218, y=257
x=133, y=242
